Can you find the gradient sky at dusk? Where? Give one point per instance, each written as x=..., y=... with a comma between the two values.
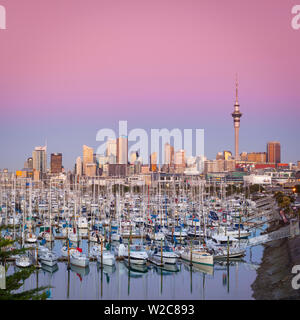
x=71, y=67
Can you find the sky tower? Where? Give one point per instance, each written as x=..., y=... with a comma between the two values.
x=236, y=115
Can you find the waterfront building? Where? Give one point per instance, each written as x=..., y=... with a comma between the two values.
x=257, y=179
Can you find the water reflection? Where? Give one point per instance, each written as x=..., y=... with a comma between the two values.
x=49, y=269
x=121, y=281
x=80, y=271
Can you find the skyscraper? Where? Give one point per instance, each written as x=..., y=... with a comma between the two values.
x=236, y=115
x=133, y=157
x=169, y=154
x=180, y=159
x=273, y=152
x=220, y=156
x=111, y=150
x=122, y=150
x=39, y=159
x=88, y=157
x=153, y=161
x=257, y=157
x=227, y=155
x=28, y=163
x=56, y=163
x=78, y=166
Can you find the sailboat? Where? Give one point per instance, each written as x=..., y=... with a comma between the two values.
x=48, y=258
x=197, y=256
x=79, y=259
x=23, y=261
x=166, y=254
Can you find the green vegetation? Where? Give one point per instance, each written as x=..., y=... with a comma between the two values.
x=17, y=279
x=284, y=202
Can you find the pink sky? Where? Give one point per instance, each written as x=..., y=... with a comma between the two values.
x=127, y=59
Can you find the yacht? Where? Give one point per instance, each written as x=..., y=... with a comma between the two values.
x=48, y=258
x=198, y=256
x=167, y=254
x=82, y=223
x=23, y=261
x=137, y=254
x=64, y=251
x=218, y=245
x=79, y=259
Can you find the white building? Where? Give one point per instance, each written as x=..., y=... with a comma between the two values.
x=257, y=179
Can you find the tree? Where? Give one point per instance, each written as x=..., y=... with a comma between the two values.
x=285, y=204
x=16, y=280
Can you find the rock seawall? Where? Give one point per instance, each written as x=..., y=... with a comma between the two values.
x=274, y=276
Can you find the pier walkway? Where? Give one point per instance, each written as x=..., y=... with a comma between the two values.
x=289, y=231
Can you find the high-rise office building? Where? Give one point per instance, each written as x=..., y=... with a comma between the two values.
x=56, y=163
x=91, y=169
x=169, y=154
x=133, y=157
x=122, y=150
x=88, y=157
x=28, y=164
x=227, y=155
x=236, y=115
x=153, y=162
x=111, y=150
x=220, y=156
x=180, y=159
x=78, y=166
x=273, y=152
x=39, y=159
x=260, y=157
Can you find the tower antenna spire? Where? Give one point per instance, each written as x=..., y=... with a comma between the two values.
x=236, y=89
x=236, y=115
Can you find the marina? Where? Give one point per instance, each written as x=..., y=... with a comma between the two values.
x=184, y=242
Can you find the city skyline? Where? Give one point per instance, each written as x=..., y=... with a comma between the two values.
x=154, y=66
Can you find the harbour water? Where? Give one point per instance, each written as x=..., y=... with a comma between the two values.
x=114, y=283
